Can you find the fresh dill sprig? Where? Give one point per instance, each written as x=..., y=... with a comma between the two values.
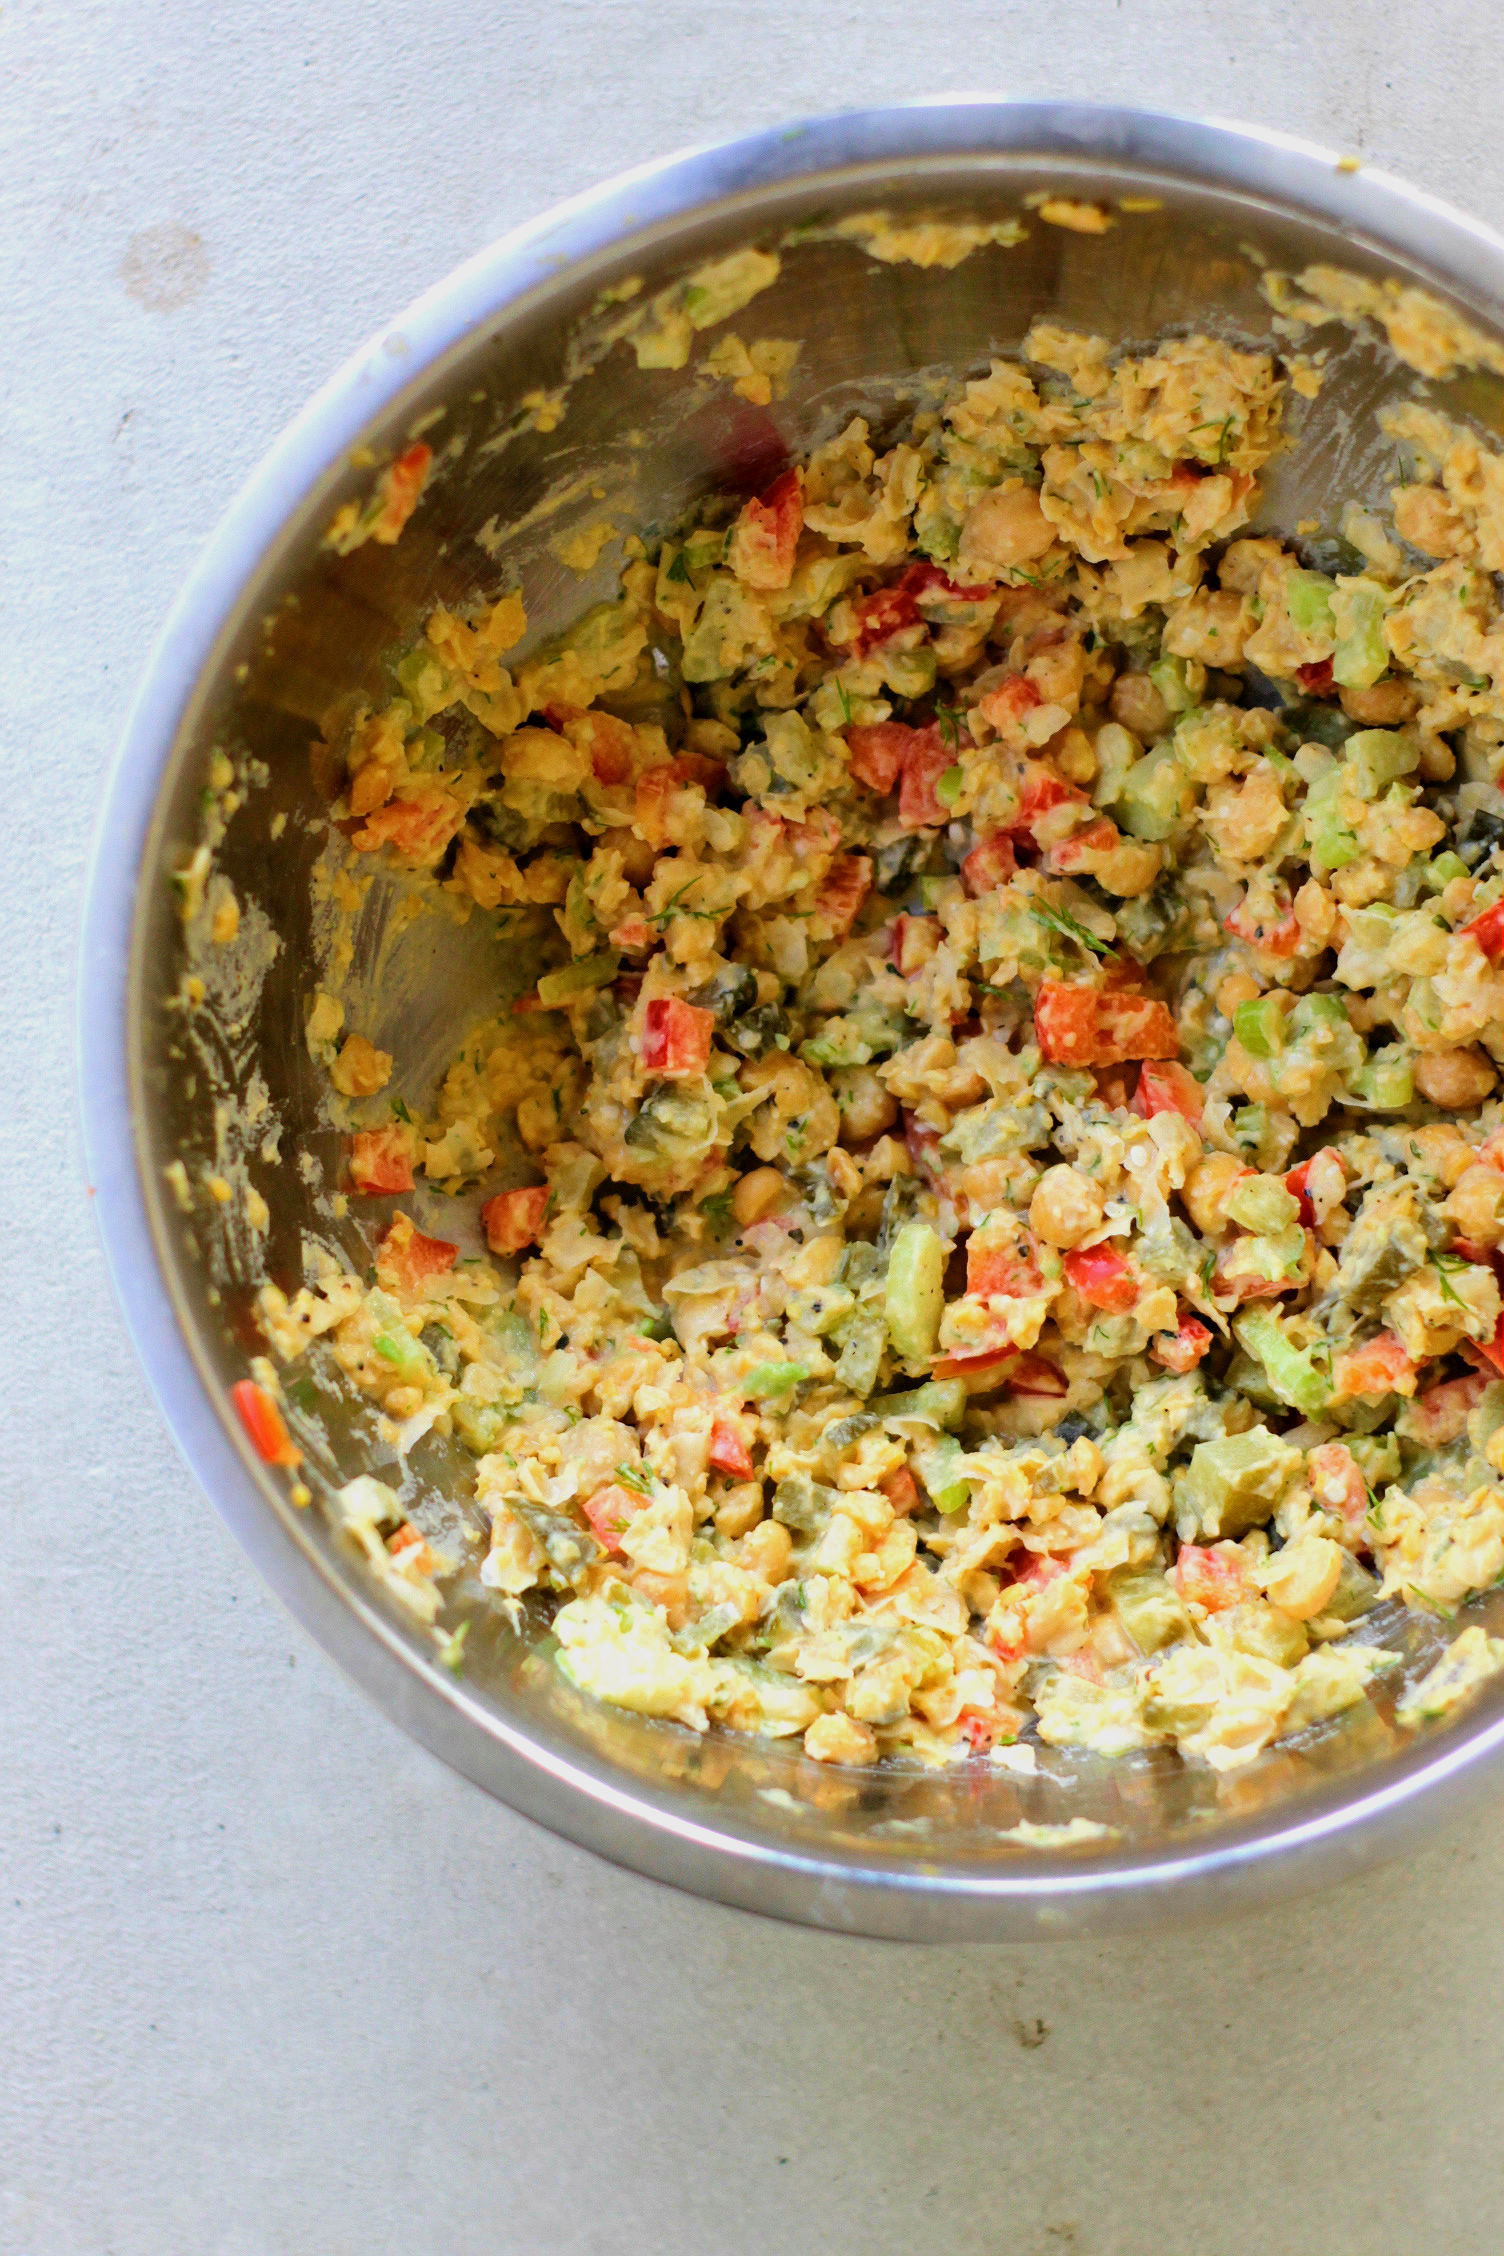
x=1070, y=928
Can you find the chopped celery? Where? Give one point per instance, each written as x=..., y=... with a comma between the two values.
x=1298, y=1375
x=1313, y=1011
x=932, y=890
x=1261, y=1203
x=948, y=789
x=936, y=1462
x=1443, y=870
x=1387, y=1082
x=942, y=1402
x=481, y=1426
x=1172, y=677
x=1308, y=599
x=1260, y=1026
x=1232, y=1484
x=1333, y=842
x=915, y=1295
x=771, y=1379
x=1148, y=1606
x=578, y=978
x=908, y=673
x=1375, y=758
x=1362, y=655
x=1156, y=795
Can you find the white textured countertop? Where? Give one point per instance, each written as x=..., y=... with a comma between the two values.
x=272, y=1983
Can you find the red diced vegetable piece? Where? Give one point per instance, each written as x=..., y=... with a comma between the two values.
x=877, y=752
x=902, y=1491
x=1182, y=1350
x=611, y=1511
x=766, y=535
x=728, y=1448
x=926, y=759
x=989, y=865
x=1164, y=1086
x=979, y=1369
x=1073, y=853
x=1316, y=679
x=1080, y=1025
x=675, y=1038
x=1035, y=1374
x=400, y=489
x=381, y=1161
x=1488, y=931
x=1102, y=1278
x=1002, y=1265
x=915, y=939
x=1272, y=936
x=514, y=1219
x=1490, y=1351
x=1380, y=1366
x=263, y=1421
x=1005, y=706
x=1336, y=1478
x=1214, y=1576
x=407, y=1258
x=978, y=1730
x=846, y=886
x=1439, y=1416
x=883, y=614
x=418, y=829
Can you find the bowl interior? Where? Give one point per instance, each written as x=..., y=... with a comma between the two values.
x=313, y=630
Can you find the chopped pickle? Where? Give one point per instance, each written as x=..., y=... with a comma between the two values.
x=1233, y=1484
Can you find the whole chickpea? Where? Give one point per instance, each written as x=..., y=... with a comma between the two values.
x=865, y=1105
x=1206, y=1189
x=1066, y=1207
x=1137, y=705
x=1007, y=526
x=1475, y=1208
x=1454, y=1079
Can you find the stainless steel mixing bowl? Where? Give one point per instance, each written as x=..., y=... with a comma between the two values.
x=273, y=630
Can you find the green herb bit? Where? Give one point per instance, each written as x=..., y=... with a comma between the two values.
x=1070, y=928
x=632, y=1476
x=452, y=1651
x=948, y=719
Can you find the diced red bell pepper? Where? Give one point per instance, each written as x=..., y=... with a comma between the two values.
x=989, y=865
x=728, y=1448
x=611, y=1511
x=1488, y=1351
x=1035, y=1374
x=1337, y=1481
x=922, y=1144
x=1380, y=1366
x=1005, y=706
x=1164, y=1086
x=1182, y=1350
x=1316, y=679
x=675, y=1038
x=401, y=488
x=980, y=1369
x=928, y=579
x=514, y=1219
x=766, y=535
x=1439, y=1416
x=659, y=785
x=926, y=760
x=1213, y=1575
x=613, y=748
x=1488, y=930
x=1321, y=1178
x=263, y=1421
x=847, y=884
x=1040, y=792
x=1272, y=936
x=914, y=941
x=409, y=1259
x=883, y=614
x=417, y=829
x=978, y=1729
x=1094, y=1026
x=1102, y=1278
x=1004, y=1265
x=877, y=752
x=381, y=1161
x=902, y=1491
x=1071, y=855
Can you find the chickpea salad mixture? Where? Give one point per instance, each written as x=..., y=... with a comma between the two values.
x=993, y=1202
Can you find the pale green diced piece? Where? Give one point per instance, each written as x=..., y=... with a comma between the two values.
x=940, y=1403
x=1156, y=795
x=1261, y=1202
x=1148, y=1605
x=1232, y=1484
x=937, y=1463
x=1308, y=599
x=1375, y=758
x=1362, y=655
x=915, y=1296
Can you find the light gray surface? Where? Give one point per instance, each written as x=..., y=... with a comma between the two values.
x=273, y=1984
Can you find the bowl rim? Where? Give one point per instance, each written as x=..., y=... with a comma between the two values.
x=648, y=1829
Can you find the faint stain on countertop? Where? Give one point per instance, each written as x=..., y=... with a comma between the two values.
x=165, y=267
